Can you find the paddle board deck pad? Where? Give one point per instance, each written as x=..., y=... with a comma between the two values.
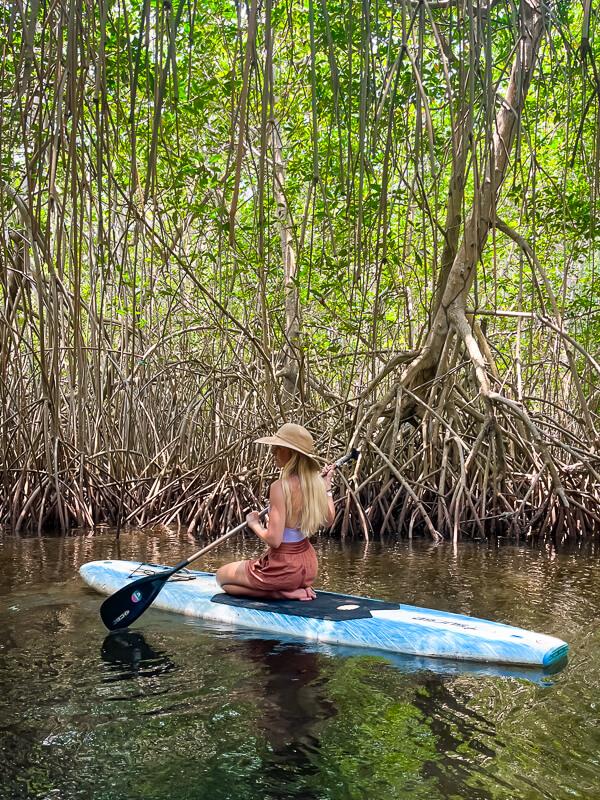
x=355, y=622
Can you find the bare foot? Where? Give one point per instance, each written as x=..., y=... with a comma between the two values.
x=304, y=593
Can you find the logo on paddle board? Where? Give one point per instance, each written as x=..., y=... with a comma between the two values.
x=439, y=621
x=136, y=596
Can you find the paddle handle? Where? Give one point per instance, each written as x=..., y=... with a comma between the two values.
x=351, y=456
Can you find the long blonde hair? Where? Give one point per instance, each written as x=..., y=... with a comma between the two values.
x=315, y=505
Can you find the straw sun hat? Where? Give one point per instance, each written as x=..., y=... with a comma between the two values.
x=295, y=437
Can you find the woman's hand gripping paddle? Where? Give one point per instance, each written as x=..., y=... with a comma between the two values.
x=127, y=604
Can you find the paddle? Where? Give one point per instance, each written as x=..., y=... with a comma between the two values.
x=128, y=603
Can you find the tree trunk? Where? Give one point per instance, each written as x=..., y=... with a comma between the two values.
x=292, y=353
x=460, y=276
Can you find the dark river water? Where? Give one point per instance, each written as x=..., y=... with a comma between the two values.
x=184, y=710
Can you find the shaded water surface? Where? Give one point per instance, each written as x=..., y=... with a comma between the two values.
x=184, y=710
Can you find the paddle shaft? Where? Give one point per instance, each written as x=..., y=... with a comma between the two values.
x=343, y=460
x=216, y=542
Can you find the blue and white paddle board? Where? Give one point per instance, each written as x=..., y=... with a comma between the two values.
x=340, y=619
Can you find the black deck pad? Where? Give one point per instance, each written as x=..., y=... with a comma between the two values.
x=325, y=606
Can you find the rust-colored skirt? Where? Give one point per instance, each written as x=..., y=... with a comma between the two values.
x=292, y=565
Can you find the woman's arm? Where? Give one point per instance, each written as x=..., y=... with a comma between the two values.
x=273, y=533
x=327, y=475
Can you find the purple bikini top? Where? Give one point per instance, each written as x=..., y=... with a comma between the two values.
x=291, y=535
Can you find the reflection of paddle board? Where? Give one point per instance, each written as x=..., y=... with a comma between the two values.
x=341, y=619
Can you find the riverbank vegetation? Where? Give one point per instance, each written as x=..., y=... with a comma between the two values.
x=378, y=219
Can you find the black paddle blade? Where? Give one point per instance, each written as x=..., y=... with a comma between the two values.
x=125, y=606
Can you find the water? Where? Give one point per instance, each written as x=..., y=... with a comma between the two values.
x=181, y=710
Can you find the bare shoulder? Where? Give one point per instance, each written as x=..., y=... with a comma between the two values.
x=293, y=484
x=276, y=489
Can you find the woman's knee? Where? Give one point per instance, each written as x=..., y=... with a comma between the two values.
x=221, y=575
x=230, y=573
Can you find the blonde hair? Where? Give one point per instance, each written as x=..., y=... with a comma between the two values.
x=315, y=505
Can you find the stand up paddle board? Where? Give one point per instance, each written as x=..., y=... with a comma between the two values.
x=339, y=619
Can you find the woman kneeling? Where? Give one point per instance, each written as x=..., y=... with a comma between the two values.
x=300, y=503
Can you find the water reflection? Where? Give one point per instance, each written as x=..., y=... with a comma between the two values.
x=293, y=705
x=130, y=656
x=185, y=711
x=293, y=701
